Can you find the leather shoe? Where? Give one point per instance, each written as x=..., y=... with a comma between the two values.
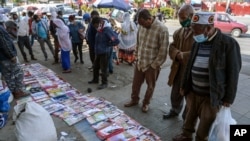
x=130, y=104
x=182, y=137
x=145, y=108
x=102, y=86
x=93, y=82
x=171, y=114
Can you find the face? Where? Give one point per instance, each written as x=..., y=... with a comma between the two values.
x=199, y=29
x=145, y=23
x=184, y=19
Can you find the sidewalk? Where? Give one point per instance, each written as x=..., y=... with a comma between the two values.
x=119, y=92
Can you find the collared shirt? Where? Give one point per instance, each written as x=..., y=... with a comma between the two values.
x=152, y=46
x=23, y=27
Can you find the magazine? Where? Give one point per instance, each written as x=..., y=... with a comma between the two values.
x=109, y=131
x=124, y=136
x=96, y=117
x=101, y=124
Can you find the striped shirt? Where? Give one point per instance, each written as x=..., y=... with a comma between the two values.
x=200, y=74
x=152, y=46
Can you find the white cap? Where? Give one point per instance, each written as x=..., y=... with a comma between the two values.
x=203, y=18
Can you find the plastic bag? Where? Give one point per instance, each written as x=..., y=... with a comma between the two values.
x=33, y=123
x=220, y=129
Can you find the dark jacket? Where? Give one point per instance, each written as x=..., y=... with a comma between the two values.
x=7, y=48
x=104, y=40
x=90, y=35
x=224, y=68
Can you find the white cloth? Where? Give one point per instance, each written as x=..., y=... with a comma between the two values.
x=23, y=27
x=62, y=32
x=128, y=35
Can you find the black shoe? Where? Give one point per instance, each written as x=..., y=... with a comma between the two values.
x=82, y=62
x=171, y=114
x=102, y=86
x=33, y=58
x=93, y=82
x=76, y=59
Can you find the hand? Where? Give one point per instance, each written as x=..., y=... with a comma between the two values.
x=226, y=104
x=13, y=59
x=181, y=91
x=179, y=57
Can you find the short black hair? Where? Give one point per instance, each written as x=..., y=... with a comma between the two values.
x=144, y=14
x=35, y=17
x=94, y=13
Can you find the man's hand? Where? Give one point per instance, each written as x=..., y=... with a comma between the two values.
x=13, y=59
x=179, y=57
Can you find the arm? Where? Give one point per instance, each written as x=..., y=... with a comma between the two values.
x=163, y=49
x=6, y=47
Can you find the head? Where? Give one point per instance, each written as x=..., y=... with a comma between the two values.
x=86, y=18
x=59, y=13
x=14, y=16
x=30, y=13
x=94, y=14
x=145, y=19
x=185, y=15
x=202, y=25
x=96, y=22
x=36, y=18
x=72, y=19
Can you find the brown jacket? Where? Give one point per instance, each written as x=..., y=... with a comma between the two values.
x=182, y=42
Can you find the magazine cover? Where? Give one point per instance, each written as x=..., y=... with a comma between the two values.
x=109, y=131
x=51, y=108
x=101, y=124
x=96, y=117
x=148, y=136
x=124, y=136
x=74, y=118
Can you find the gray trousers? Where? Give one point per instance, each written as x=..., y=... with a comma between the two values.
x=47, y=41
x=13, y=75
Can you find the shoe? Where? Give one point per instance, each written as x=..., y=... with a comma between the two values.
x=130, y=103
x=20, y=94
x=67, y=71
x=82, y=62
x=145, y=108
x=26, y=60
x=182, y=137
x=33, y=58
x=54, y=63
x=46, y=59
x=111, y=72
x=171, y=114
x=76, y=59
x=102, y=86
x=93, y=82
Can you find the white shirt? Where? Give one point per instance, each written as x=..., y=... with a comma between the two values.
x=23, y=27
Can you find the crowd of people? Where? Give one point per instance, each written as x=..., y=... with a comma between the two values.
x=205, y=62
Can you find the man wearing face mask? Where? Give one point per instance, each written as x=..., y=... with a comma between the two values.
x=211, y=76
x=179, y=51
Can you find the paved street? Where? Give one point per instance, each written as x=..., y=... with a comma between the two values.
x=120, y=88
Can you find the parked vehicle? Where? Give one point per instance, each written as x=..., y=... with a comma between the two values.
x=228, y=25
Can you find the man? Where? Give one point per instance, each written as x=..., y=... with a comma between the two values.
x=106, y=38
x=40, y=29
x=23, y=38
x=150, y=54
x=31, y=36
x=10, y=68
x=211, y=76
x=179, y=51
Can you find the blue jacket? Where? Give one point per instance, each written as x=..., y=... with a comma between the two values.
x=7, y=48
x=74, y=34
x=104, y=40
x=224, y=68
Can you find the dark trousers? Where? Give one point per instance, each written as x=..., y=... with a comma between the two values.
x=177, y=99
x=47, y=41
x=56, y=50
x=92, y=54
x=199, y=107
x=24, y=41
x=101, y=62
x=77, y=47
x=151, y=76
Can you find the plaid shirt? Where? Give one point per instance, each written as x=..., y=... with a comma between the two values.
x=152, y=46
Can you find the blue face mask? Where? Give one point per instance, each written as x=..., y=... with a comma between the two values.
x=200, y=38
